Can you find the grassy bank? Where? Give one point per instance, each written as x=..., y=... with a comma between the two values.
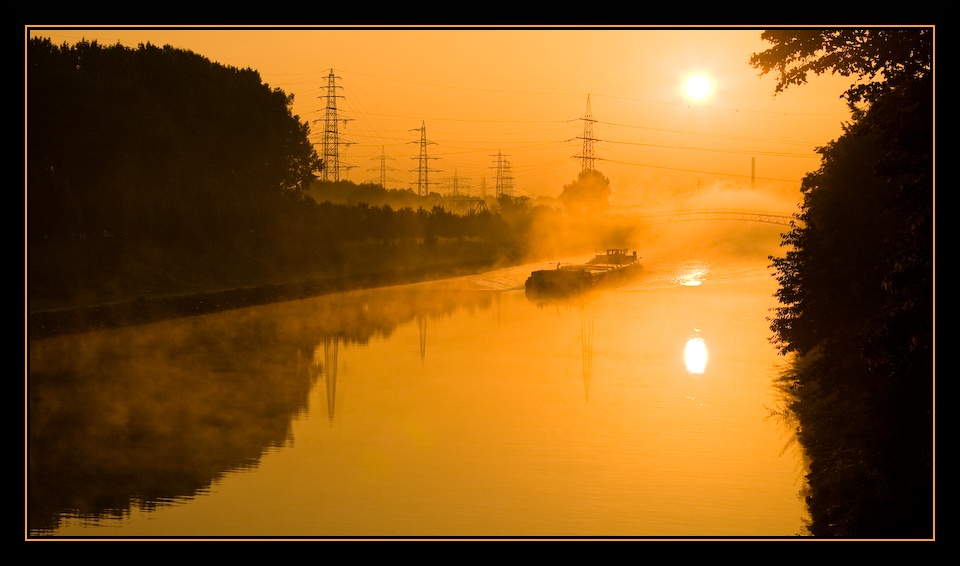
x=78, y=290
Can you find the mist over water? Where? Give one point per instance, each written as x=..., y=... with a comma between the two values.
x=451, y=408
x=640, y=216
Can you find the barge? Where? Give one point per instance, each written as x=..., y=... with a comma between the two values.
x=604, y=270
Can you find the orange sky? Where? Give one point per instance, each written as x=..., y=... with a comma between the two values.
x=522, y=93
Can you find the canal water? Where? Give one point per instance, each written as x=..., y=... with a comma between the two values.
x=456, y=408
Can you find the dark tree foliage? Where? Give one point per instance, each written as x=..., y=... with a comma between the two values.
x=589, y=195
x=856, y=286
x=880, y=58
x=347, y=192
x=121, y=141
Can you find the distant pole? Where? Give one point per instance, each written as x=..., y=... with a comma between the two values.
x=753, y=172
x=383, y=168
x=422, y=169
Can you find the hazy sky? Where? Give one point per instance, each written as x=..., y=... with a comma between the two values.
x=522, y=94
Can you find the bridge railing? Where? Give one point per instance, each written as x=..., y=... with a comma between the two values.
x=768, y=217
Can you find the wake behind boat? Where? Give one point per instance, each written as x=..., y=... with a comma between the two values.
x=604, y=270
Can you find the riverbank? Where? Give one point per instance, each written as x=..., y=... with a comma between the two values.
x=85, y=318
x=71, y=300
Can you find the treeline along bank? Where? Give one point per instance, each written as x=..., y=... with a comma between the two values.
x=153, y=171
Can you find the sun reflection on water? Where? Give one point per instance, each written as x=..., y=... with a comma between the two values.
x=695, y=355
x=692, y=277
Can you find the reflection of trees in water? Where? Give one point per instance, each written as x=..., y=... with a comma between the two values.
x=145, y=415
x=122, y=416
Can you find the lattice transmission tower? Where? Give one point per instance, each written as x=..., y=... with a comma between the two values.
x=455, y=185
x=423, y=169
x=504, y=177
x=382, y=177
x=331, y=133
x=586, y=157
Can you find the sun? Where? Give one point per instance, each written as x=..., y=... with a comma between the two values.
x=697, y=87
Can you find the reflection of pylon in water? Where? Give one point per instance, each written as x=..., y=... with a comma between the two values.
x=331, y=352
x=586, y=350
x=422, y=323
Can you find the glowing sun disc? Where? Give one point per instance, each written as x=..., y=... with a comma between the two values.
x=697, y=87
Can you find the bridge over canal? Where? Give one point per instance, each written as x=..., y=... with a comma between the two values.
x=767, y=217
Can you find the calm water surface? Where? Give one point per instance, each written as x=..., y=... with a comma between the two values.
x=454, y=408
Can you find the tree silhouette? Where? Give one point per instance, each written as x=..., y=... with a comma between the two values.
x=856, y=285
x=155, y=143
x=880, y=58
x=589, y=195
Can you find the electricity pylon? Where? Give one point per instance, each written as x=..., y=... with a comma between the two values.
x=423, y=170
x=586, y=156
x=383, y=169
x=504, y=177
x=331, y=133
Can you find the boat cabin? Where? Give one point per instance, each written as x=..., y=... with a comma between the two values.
x=616, y=255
